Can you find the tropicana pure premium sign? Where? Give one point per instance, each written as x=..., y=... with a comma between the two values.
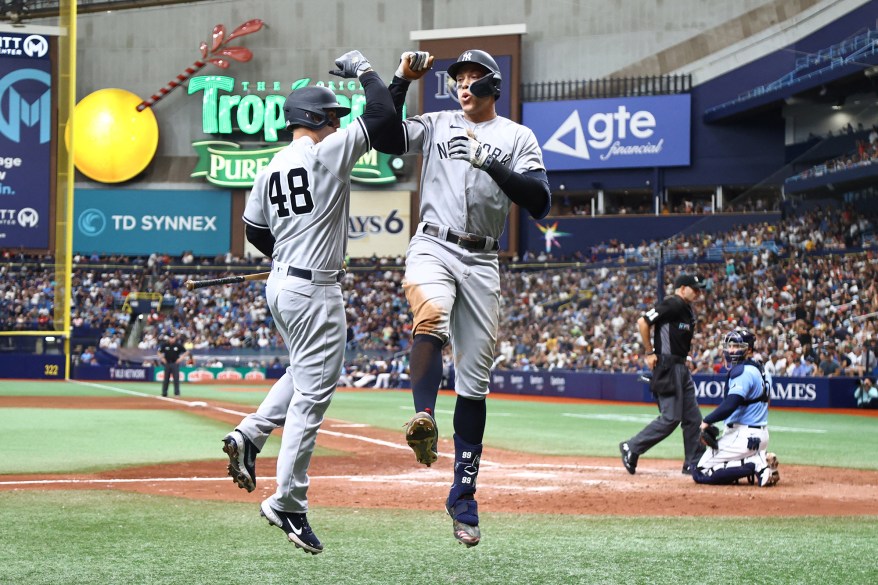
x=255, y=109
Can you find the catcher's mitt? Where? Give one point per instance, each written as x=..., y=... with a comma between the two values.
x=709, y=437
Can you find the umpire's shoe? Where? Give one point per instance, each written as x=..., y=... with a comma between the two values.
x=422, y=435
x=295, y=526
x=465, y=520
x=242, y=459
x=629, y=458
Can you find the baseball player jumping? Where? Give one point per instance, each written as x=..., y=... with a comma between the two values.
x=741, y=451
x=297, y=213
x=475, y=165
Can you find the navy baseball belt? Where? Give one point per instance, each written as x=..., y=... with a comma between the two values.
x=748, y=426
x=315, y=276
x=462, y=239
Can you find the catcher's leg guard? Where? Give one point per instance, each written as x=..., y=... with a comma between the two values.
x=461, y=505
x=723, y=475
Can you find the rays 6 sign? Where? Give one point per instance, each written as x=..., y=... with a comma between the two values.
x=612, y=133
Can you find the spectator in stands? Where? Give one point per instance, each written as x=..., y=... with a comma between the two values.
x=866, y=393
x=857, y=362
x=805, y=368
x=829, y=365
x=87, y=355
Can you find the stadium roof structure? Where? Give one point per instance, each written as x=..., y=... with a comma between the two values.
x=829, y=74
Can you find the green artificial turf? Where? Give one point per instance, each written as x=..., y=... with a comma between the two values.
x=590, y=429
x=111, y=537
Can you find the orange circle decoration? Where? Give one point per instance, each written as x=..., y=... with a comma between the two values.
x=113, y=142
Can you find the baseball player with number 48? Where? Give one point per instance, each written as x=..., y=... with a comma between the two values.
x=297, y=213
x=475, y=165
x=741, y=451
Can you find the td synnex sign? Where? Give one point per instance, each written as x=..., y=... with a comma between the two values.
x=143, y=222
x=612, y=133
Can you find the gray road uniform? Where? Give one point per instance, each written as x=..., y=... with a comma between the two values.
x=475, y=164
x=303, y=198
x=452, y=259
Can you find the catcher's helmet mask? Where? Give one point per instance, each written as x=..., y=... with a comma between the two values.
x=737, y=345
x=489, y=85
x=310, y=107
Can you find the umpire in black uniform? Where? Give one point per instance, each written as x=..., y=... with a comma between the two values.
x=672, y=384
x=171, y=353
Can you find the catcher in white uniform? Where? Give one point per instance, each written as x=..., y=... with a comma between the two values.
x=741, y=450
x=297, y=213
x=475, y=165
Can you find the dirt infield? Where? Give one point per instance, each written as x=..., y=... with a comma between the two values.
x=377, y=470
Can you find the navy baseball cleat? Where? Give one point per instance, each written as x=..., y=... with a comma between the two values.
x=422, y=435
x=295, y=526
x=242, y=459
x=465, y=520
x=629, y=458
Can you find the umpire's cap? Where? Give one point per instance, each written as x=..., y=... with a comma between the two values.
x=487, y=85
x=308, y=106
x=690, y=280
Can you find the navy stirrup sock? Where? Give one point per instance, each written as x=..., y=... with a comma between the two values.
x=425, y=362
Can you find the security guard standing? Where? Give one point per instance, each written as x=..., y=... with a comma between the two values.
x=673, y=321
x=171, y=354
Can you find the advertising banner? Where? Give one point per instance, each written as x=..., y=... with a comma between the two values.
x=612, y=133
x=234, y=108
x=140, y=222
x=378, y=223
x=210, y=374
x=25, y=140
x=438, y=97
x=785, y=392
x=120, y=373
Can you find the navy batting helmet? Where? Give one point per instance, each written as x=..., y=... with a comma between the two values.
x=487, y=85
x=309, y=107
x=737, y=344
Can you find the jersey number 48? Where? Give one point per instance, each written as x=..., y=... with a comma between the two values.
x=296, y=193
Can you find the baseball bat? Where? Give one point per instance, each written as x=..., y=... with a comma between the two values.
x=193, y=284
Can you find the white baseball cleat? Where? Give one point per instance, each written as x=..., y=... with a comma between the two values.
x=769, y=476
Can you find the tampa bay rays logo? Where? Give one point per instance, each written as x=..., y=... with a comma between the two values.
x=16, y=111
x=551, y=233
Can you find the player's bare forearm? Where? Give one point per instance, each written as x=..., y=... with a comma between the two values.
x=529, y=190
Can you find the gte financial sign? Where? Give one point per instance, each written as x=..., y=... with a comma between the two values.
x=255, y=109
x=612, y=133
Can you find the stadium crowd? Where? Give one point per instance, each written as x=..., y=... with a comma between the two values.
x=805, y=284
